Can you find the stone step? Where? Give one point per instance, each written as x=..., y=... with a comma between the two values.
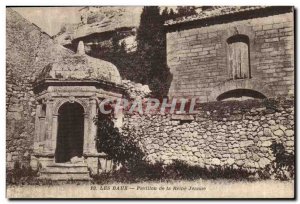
x=65, y=171
x=67, y=164
x=66, y=168
x=64, y=177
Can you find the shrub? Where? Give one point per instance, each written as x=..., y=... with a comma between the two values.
x=146, y=65
x=283, y=166
x=182, y=170
x=178, y=170
x=20, y=175
x=119, y=148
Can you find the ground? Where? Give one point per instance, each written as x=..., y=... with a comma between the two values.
x=181, y=189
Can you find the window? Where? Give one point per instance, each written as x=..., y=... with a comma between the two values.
x=240, y=94
x=239, y=64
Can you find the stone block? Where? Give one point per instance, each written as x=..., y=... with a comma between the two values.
x=266, y=143
x=290, y=143
x=92, y=163
x=279, y=133
x=289, y=133
x=240, y=162
x=230, y=161
x=216, y=161
x=246, y=143
x=263, y=162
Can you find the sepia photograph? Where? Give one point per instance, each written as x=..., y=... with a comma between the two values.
x=150, y=102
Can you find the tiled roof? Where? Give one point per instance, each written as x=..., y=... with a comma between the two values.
x=214, y=12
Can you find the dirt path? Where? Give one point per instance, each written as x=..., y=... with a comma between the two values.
x=178, y=189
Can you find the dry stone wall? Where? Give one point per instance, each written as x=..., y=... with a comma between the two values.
x=220, y=134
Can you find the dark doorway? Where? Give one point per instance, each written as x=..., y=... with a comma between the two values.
x=70, y=132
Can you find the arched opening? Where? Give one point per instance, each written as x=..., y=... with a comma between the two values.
x=240, y=94
x=70, y=132
x=239, y=57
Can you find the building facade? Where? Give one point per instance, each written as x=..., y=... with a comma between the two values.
x=68, y=93
x=232, y=52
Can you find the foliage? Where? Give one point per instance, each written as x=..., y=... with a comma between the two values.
x=127, y=63
x=24, y=175
x=181, y=11
x=20, y=175
x=283, y=166
x=182, y=170
x=178, y=170
x=186, y=11
x=271, y=104
x=147, y=65
x=119, y=148
x=151, y=47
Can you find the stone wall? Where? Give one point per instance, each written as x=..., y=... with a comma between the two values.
x=198, y=56
x=221, y=133
x=136, y=90
x=28, y=50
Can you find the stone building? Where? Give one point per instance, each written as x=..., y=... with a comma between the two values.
x=228, y=52
x=67, y=94
x=220, y=54
x=51, y=102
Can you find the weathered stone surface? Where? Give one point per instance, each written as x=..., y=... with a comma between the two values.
x=279, y=133
x=290, y=143
x=289, y=133
x=268, y=132
x=183, y=46
x=240, y=162
x=136, y=91
x=263, y=162
x=272, y=122
x=216, y=161
x=266, y=144
x=246, y=143
x=240, y=144
x=28, y=51
x=230, y=161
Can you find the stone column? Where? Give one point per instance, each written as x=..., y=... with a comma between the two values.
x=93, y=126
x=92, y=155
x=86, y=144
x=48, y=125
x=42, y=130
x=54, y=133
x=37, y=126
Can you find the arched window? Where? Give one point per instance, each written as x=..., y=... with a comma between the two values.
x=239, y=57
x=240, y=94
